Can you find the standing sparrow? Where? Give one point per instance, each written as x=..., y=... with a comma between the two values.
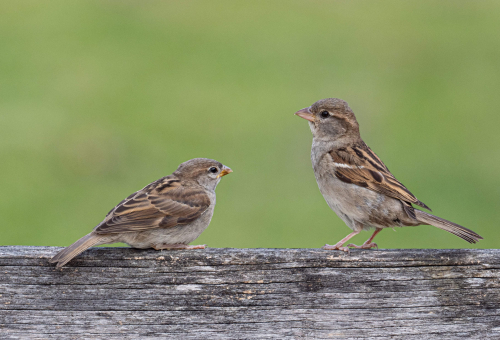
x=356, y=184
x=166, y=214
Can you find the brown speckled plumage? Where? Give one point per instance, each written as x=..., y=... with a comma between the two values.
x=166, y=214
x=356, y=184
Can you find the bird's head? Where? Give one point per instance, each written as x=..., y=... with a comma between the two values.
x=207, y=172
x=330, y=118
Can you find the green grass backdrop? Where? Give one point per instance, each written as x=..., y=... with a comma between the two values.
x=99, y=98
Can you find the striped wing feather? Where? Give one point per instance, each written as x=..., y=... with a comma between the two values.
x=360, y=166
x=164, y=203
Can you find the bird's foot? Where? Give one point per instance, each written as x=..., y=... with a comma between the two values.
x=177, y=246
x=337, y=246
x=365, y=245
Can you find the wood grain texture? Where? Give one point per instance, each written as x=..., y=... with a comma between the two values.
x=122, y=293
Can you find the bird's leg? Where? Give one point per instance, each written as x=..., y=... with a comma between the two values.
x=368, y=244
x=339, y=245
x=176, y=246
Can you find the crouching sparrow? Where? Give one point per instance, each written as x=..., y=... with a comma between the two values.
x=355, y=182
x=166, y=214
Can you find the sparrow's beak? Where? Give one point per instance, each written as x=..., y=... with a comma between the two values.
x=224, y=172
x=306, y=114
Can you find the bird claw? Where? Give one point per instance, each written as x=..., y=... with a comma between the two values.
x=364, y=245
x=177, y=246
x=199, y=246
x=336, y=247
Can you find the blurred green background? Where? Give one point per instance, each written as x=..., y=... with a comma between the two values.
x=99, y=98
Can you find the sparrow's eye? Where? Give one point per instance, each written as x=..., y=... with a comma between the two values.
x=213, y=170
x=325, y=114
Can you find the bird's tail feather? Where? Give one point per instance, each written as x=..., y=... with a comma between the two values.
x=68, y=253
x=450, y=227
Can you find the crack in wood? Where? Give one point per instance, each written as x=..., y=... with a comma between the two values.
x=122, y=293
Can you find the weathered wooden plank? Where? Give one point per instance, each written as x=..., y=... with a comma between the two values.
x=121, y=293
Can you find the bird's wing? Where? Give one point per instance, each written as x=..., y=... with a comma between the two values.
x=360, y=166
x=164, y=203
